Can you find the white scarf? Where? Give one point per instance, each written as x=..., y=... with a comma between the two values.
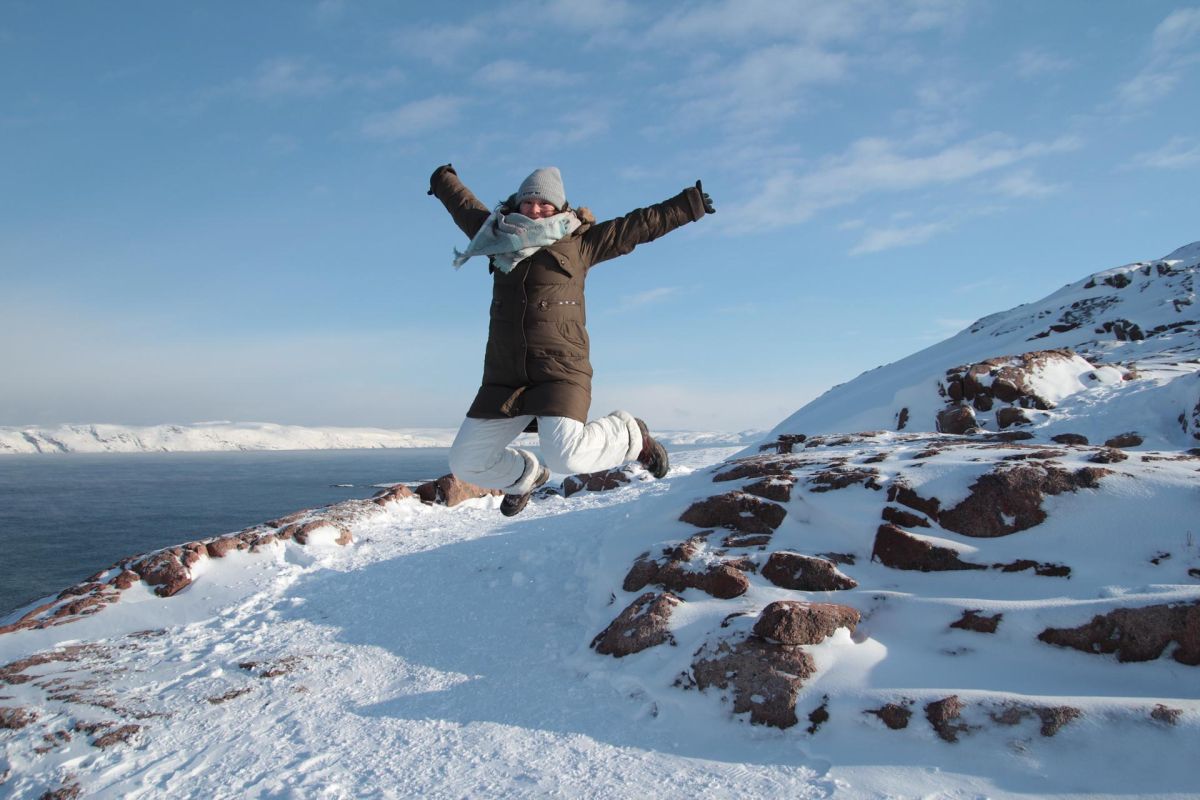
x=511, y=238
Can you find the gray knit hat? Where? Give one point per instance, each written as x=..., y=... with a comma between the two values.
x=545, y=184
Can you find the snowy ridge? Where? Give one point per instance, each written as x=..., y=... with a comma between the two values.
x=846, y=611
x=225, y=436
x=1139, y=319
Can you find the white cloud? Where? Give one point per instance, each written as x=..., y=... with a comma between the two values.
x=286, y=77
x=763, y=86
x=1025, y=183
x=415, y=118
x=1037, y=63
x=518, y=75
x=578, y=126
x=1171, y=54
x=890, y=238
x=444, y=45
x=647, y=297
x=877, y=165
x=1180, y=151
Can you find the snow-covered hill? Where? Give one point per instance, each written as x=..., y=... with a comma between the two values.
x=211, y=436
x=1136, y=330
x=858, y=608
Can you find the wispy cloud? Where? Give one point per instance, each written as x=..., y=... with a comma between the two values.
x=443, y=44
x=632, y=301
x=878, y=165
x=415, y=118
x=881, y=239
x=1039, y=63
x=762, y=86
x=1180, y=151
x=1171, y=54
x=1025, y=183
x=517, y=75
x=286, y=78
x=578, y=126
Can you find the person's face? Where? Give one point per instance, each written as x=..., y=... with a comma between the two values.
x=536, y=208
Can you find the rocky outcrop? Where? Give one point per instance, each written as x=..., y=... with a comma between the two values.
x=735, y=511
x=794, y=622
x=972, y=620
x=1136, y=634
x=602, y=481
x=1008, y=379
x=1010, y=498
x=676, y=572
x=900, y=550
x=805, y=573
x=765, y=678
x=957, y=419
x=448, y=490
x=893, y=715
x=945, y=716
x=644, y=623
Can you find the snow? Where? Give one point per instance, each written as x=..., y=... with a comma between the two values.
x=445, y=652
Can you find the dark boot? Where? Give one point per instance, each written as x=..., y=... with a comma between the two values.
x=514, y=504
x=653, y=456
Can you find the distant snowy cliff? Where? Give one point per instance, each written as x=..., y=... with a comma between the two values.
x=226, y=436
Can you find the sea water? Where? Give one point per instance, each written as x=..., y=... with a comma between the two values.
x=66, y=516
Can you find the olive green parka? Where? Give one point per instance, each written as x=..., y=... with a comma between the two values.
x=537, y=351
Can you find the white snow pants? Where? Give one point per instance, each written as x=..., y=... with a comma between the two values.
x=481, y=455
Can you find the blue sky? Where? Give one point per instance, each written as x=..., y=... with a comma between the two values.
x=218, y=210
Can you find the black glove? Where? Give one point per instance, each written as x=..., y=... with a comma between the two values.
x=433, y=178
x=704, y=198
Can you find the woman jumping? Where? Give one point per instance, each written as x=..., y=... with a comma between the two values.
x=536, y=373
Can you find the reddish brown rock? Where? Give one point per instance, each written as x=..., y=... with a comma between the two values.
x=1130, y=439
x=1137, y=634
x=1165, y=714
x=641, y=574
x=760, y=540
x=736, y=511
x=217, y=548
x=894, y=715
x=902, y=419
x=972, y=620
x=602, y=481
x=1108, y=455
x=946, y=718
x=905, y=496
x=794, y=622
x=839, y=477
x=15, y=718
x=795, y=571
x=302, y=532
x=958, y=419
x=1009, y=379
x=448, y=490
x=164, y=571
x=784, y=443
x=766, y=678
x=1070, y=438
x=899, y=550
x=1011, y=415
x=758, y=467
x=777, y=488
x=904, y=519
x=392, y=494
x=1052, y=718
x=1047, y=570
x=125, y=579
x=643, y=624
x=217, y=700
x=120, y=735
x=68, y=791
x=1010, y=498
x=723, y=580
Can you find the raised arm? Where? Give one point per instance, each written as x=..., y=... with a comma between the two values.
x=464, y=207
x=619, y=236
